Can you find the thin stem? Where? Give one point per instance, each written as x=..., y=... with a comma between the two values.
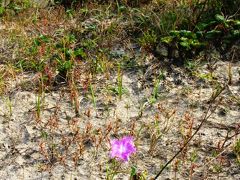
x=206, y=116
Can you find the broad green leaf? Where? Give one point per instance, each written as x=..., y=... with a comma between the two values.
x=174, y=33
x=167, y=39
x=213, y=34
x=219, y=18
x=185, y=45
x=2, y=10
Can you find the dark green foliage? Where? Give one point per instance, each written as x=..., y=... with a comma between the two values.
x=55, y=57
x=207, y=20
x=220, y=32
x=68, y=3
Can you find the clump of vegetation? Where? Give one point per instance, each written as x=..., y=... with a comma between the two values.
x=237, y=150
x=220, y=33
x=185, y=36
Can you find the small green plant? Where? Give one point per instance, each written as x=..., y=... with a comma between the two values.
x=99, y=64
x=119, y=89
x=154, y=138
x=2, y=83
x=191, y=65
x=93, y=95
x=229, y=74
x=217, y=168
x=135, y=175
x=187, y=42
x=64, y=67
x=112, y=169
x=148, y=39
x=39, y=105
x=133, y=172
x=74, y=96
x=236, y=150
x=119, y=82
x=2, y=10
x=194, y=156
x=9, y=105
x=155, y=91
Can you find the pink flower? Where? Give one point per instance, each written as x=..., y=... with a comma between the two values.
x=122, y=148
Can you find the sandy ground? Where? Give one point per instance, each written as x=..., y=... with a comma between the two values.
x=24, y=137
